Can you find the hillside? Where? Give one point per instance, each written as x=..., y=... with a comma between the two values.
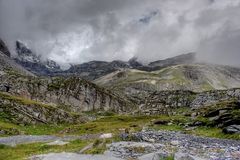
x=195, y=77
x=73, y=94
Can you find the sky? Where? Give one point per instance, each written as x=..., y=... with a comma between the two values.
x=77, y=31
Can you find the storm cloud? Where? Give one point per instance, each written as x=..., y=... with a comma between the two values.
x=76, y=31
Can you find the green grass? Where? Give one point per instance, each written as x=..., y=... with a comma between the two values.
x=213, y=133
x=9, y=129
x=116, y=124
x=168, y=158
x=22, y=100
x=23, y=151
x=111, y=124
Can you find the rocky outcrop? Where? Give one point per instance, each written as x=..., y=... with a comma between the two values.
x=163, y=102
x=33, y=62
x=233, y=129
x=73, y=94
x=224, y=115
x=23, y=111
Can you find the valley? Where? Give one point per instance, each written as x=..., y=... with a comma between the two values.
x=175, y=108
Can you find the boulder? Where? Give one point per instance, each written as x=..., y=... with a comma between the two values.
x=232, y=129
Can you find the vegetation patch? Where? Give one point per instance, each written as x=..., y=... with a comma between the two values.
x=24, y=151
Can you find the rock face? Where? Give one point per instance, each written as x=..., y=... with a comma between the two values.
x=7, y=64
x=21, y=111
x=74, y=94
x=163, y=102
x=34, y=63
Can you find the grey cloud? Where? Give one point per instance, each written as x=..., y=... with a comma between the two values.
x=75, y=31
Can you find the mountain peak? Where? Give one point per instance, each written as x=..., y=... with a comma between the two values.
x=33, y=62
x=25, y=54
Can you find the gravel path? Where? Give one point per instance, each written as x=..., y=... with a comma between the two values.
x=22, y=139
x=72, y=156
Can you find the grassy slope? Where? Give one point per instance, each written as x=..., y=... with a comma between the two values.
x=172, y=78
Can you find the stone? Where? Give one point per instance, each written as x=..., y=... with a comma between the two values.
x=57, y=143
x=106, y=136
x=185, y=156
x=232, y=129
x=175, y=143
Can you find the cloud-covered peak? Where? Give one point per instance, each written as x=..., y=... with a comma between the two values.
x=77, y=31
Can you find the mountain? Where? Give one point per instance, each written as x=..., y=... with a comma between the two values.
x=90, y=70
x=34, y=63
x=96, y=69
x=193, y=77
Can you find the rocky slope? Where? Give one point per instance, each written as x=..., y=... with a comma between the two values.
x=22, y=111
x=163, y=102
x=34, y=63
x=74, y=94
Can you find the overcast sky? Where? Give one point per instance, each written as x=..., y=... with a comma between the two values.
x=76, y=31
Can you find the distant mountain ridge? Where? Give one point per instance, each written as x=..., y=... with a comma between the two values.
x=96, y=69
x=90, y=70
